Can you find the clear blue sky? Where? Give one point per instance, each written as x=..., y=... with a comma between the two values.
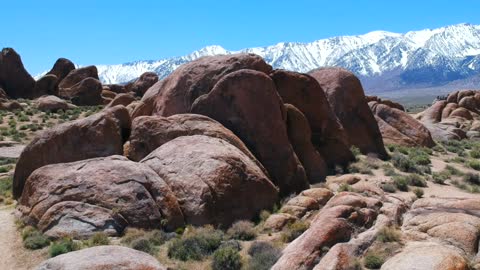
x=111, y=32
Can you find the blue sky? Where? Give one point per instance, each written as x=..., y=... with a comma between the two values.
x=112, y=32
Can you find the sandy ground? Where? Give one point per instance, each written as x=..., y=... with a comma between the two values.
x=13, y=255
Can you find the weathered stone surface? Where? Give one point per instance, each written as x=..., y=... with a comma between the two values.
x=214, y=182
x=150, y=132
x=244, y=101
x=141, y=85
x=47, y=85
x=51, y=104
x=276, y=222
x=321, y=195
x=101, y=134
x=61, y=69
x=462, y=112
x=127, y=193
x=398, y=127
x=305, y=93
x=346, y=98
x=77, y=75
x=108, y=93
x=14, y=79
x=103, y=258
x=176, y=93
x=86, y=92
x=427, y=256
x=300, y=135
x=121, y=99
x=10, y=105
x=386, y=102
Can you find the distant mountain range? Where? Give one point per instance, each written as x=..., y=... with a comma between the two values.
x=443, y=58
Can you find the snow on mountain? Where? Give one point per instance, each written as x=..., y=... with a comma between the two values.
x=426, y=56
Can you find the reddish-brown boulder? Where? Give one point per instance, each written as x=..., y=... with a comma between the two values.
x=300, y=136
x=150, y=132
x=14, y=79
x=464, y=93
x=99, y=135
x=51, y=104
x=347, y=100
x=433, y=114
x=449, y=108
x=86, y=92
x=103, y=258
x=452, y=97
x=247, y=103
x=121, y=99
x=47, y=85
x=116, y=88
x=128, y=194
x=397, y=124
x=214, y=182
x=387, y=102
x=61, y=69
x=108, y=94
x=328, y=135
x=176, y=93
x=469, y=103
x=462, y=112
x=77, y=75
x=10, y=105
x=141, y=85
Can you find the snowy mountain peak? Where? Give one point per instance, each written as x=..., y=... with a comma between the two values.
x=440, y=54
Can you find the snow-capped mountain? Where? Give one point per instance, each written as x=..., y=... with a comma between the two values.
x=383, y=60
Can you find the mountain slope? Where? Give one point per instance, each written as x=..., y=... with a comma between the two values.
x=383, y=60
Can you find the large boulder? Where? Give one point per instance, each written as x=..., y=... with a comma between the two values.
x=141, y=85
x=398, y=127
x=116, y=88
x=14, y=79
x=347, y=99
x=214, y=182
x=99, y=194
x=86, y=92
x=121, y=99
x=103, y=258
x=101, y=134
x=61, y=69
x=328, y=135
x=176, y=93
x=150, y=132
x=51, y=104
x=77, y=75
x=47, y=85
x=300, y=135
x=387, y=102
x=246, y=102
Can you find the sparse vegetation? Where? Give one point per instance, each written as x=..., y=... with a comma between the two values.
x=195, y=244
x=472, y=178
x=263, y=255
x=294, y=230
x=344, y=187
x=34, y=239
x=62, y=246
x=242, y=230
x=418, y=192
x=226, y=259
x=401, y=183
x=373, y=261
x=98, y=239
x=474, y=164
x=388, y=187
x=144, y=245
x=388, y=234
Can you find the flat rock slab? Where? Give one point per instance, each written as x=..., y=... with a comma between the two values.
x=12, y=151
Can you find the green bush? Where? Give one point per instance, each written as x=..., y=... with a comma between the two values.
x=401, y=183
x=472, y=178
x=344, y=187
x=388, y=187
x=475, y=153
x=474, y=164
x=62, y=246
x=418, y=192
x=226, y=259
x=453, y=171
x=35, y=240
x=263, y=255
x=294, y=230
x=416, y=180
x=403, y=163
x=132, y=234
x=388, y=234
x=98, y=239
x=355, y=151
x=144, y=245
x=195, y=244
x=242, y=230
x=373, y=261
x=441, y=177
x=6, y=186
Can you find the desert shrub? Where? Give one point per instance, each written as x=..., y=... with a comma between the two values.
x=441, y=177
x=6, y=168
x=98, y=239
x=474, y=164
x=373, y=261
x=388, y=234
x=359, y=167
x=62, y=246
x=472, y=178
x=403, y=163
x=232, y=243
x=6, y=187
x=131, y=234
x=35, y=240
x=158, y=237
x=294, y=230
x=344, y=187
x=242, y=230
x=418, y=192
x=226, y=259
x=419, y=156
x=195, y=244
x=355, y=151
x=438, y=148
x=144, y=245
x=453, y=146
x=388, y=187
x=475, y=153
x=264, y=215
x=263, y=255
x=401, y=183
x=453, y=171
x=388, y=170
x=416, y=180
